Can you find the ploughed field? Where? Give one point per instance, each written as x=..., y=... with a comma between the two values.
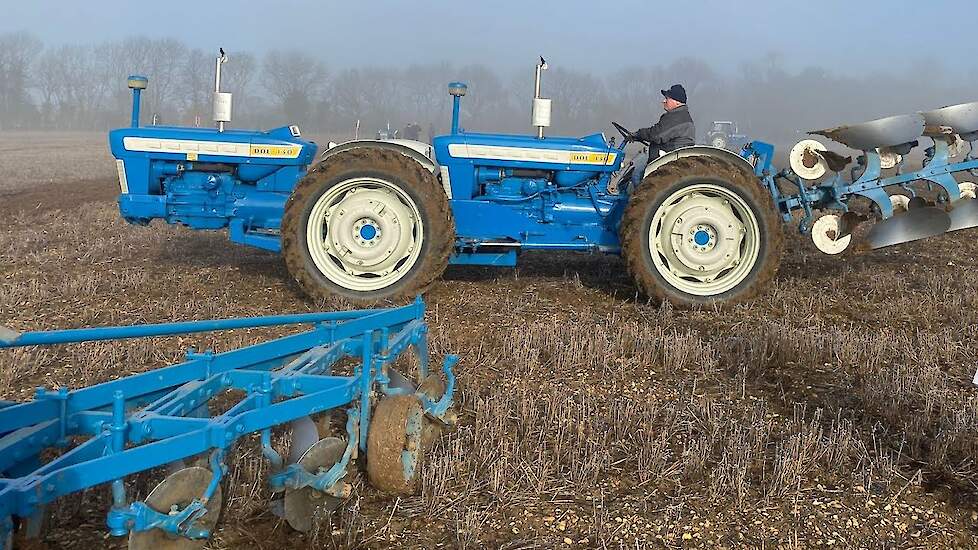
x=837, y=410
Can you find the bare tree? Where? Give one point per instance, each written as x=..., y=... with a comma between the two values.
x=17, y=51
x=294, y=80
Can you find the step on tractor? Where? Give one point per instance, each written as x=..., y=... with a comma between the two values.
x=381, y=219
x=319, y=404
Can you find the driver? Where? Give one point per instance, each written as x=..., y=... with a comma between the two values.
x=674, y=130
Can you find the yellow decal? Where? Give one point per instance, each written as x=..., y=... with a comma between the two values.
x=593, y=158
x=191, y=155
x=275, y=151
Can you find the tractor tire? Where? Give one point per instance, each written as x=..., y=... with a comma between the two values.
x=367, y=224
x=726, y=249
x=720, y=142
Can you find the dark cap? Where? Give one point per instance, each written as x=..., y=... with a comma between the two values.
x=676, y=92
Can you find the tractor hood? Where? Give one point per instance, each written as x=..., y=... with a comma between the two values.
x=589, y=153
x=281, y=146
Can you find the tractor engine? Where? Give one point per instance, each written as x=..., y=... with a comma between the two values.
x=498, y=182
x=209, y=178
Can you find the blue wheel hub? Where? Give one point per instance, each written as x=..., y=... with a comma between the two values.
x=701, y=238
x=367, y=233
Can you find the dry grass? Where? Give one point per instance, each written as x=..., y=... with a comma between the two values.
x=836, y=409
x=31, y=159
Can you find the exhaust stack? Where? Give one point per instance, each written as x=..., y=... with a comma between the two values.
x=222, y=100
x=541, y=105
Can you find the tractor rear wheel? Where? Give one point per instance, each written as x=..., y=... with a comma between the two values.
x=701, y=230
x=368, y=224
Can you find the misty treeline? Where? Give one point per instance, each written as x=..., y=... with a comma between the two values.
x=83, y=87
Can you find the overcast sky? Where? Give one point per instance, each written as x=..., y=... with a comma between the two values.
x=846, y=37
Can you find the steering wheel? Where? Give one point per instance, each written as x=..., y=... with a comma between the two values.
x=626, y=133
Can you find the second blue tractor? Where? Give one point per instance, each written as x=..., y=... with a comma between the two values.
x=381, y=219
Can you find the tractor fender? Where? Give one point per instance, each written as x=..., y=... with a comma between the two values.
x=419, y=151
x=696, y=151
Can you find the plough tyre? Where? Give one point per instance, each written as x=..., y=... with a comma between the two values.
x=395, y=445
x=370, y=224
x=701, y=230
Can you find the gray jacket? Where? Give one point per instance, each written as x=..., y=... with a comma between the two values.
x=674, y=130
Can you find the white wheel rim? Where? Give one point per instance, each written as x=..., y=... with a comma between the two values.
x=704, y=239
x=968, y=189
x=719, y=143
x=364, y=234
x=825, y=234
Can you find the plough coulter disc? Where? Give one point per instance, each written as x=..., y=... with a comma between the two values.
x=916, y=224
x=394, y=444
x=303, y=505
x=305, y=434
x=806, y=161
x=177, y=491
x=827, y=234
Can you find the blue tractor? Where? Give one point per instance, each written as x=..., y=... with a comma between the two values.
x=381, y=219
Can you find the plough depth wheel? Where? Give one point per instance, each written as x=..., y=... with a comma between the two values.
x=700, y=230
x=394, y=445
x=176, y=492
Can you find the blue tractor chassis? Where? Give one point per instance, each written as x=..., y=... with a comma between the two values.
x=159, y=417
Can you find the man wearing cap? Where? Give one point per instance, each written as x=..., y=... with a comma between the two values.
x=674, y=130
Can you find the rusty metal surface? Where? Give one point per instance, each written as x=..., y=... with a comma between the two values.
x=883, y=132
x=962, y=118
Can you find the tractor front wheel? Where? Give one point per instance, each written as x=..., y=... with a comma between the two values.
x=367, y=224
x=701, y=230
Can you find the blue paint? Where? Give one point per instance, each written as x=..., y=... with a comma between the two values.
x=835, y=192
x=701, y=238
x=148, y=420
x=508, y=193
x=368, y=232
